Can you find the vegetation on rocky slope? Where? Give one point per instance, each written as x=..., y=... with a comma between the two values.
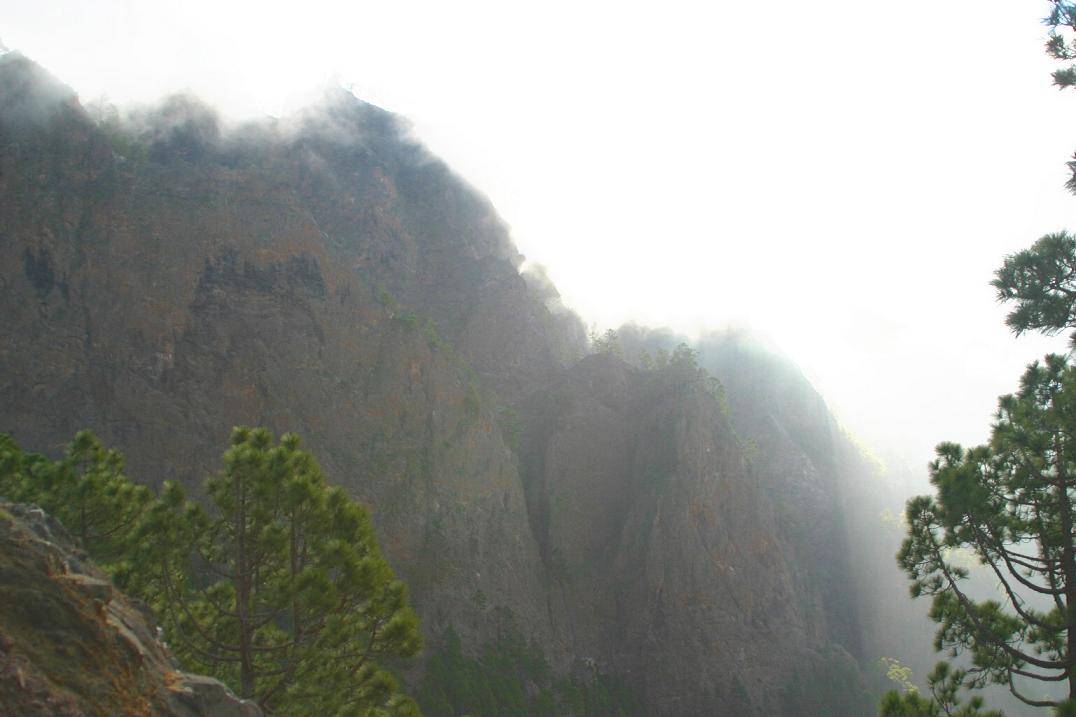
x=278, y=588
x=73, y=646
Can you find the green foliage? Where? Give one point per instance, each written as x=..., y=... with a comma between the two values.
x=1062, y=15
x=279, y=588
x=1042, y=282
x=945, y=684
x=1062, y=24
x=607, y=343
x=385, y=298
x=907, y=704
x=492, y=685
x=683, y=366
x=433, y=338
x=510, y=677
x=409, y=319
x=716, y=389
x=901, y=674
x=684, y=358
x=1009, y=504
x=86, y=490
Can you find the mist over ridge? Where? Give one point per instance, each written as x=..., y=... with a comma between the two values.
x=672, y=543
x=668, y=177
x=805, y=211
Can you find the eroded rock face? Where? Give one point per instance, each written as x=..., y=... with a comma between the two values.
x=70, y=644
x=670, y=546
x=163, y=288
x=163, y=279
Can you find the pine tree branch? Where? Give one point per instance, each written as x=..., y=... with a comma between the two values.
x=1016, y=603
x=1059, y=677
x=982, y=630
x=177, y=598
x=1009, y=565
x=1027, y=700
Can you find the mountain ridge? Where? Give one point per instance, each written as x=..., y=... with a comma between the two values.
x=164, y=280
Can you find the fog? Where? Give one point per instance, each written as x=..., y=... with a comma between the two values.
x=842, y=179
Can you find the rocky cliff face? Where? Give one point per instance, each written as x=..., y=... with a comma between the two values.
x=191, y=284
x=667, y=549
x=72, y=646
x=163, y=279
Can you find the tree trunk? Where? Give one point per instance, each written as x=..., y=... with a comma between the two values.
x=1068, y=564
x=242, y=594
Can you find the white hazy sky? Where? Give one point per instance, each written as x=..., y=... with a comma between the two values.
x=841, y=176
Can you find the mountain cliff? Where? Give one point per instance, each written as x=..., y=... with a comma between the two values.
x=581, y=534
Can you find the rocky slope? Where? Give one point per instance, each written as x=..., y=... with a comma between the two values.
x=72, y=646
x=163, y=278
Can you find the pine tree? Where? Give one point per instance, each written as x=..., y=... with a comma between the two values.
x=945, y=701
x=279, y=588
x=1063, y=17
x=86, y=490
x=1042, y=282
x=1041, y=279
x=1010, y=503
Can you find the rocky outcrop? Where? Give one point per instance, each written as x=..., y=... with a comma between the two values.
x=669, y=545
x=73, y=646
x=163, y=279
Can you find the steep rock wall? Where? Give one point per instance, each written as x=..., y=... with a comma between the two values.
x=163, y=279
x=668, y=546
x=163, y=297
